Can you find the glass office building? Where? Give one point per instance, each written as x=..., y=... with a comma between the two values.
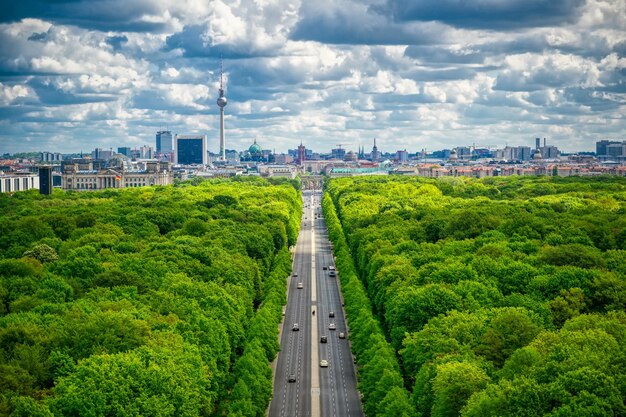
x=190, y=150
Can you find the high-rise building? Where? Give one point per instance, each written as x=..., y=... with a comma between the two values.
x=190, y=149
x=611, y=150
x=514, y=153
x=402, y=156
x=100, y=153
x=222, y=102
x=301, y=154
x=45, y=180
x=549, y=152
x=126, y=151
x=50, y=157
x=464, y=152
x=338, y=153
x=164, y=144
x=524, y=153
x=146, y=152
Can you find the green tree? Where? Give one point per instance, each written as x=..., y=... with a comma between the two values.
x=453, y=386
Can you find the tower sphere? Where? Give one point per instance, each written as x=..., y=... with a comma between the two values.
x=222, y=102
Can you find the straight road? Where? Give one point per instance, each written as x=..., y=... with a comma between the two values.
x=317, y=391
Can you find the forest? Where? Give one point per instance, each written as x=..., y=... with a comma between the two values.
x=484, y=297
x=153, y=301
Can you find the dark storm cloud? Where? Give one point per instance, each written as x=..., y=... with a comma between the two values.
x=192, y=40
x=591, y=98
x=351, y=23
x=444, y=55
x=39, y=37
x=120, y=15
x=116, y=41
x=51, y=95
x=487, y=14
x=445, y=74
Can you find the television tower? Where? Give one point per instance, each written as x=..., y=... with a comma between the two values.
x=222, y=102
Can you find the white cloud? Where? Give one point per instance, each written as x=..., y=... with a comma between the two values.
x=363, y=75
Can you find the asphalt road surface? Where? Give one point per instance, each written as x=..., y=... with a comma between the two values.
x=317, y=391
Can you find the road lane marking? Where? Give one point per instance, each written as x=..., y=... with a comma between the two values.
x=315, y=370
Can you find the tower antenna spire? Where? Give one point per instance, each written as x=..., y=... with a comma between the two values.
x=221, y=102
x=221, y=74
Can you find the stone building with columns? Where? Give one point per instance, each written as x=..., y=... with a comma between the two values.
x=84, y=175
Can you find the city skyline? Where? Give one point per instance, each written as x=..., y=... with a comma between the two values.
x=79, y=75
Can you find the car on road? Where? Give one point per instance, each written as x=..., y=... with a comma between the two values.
x=295, y=275
x=295, y=327
x=300, y=285
x=323, y=363
x=331, y=314
x=332, y=326
x=332, y=274
x=342, y=335
x=324, y=268
x=291, y=378
x=323, y=339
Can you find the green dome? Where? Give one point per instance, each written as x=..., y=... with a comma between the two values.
x=254, y=148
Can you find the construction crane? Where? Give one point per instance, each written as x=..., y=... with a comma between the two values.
x=490, y=147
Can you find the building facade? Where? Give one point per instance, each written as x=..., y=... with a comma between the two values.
x=164, y=142
x=50, y=157
x=18, y=181
x=190, y=150
x=84, y=176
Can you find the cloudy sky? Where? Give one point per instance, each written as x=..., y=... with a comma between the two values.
x=415, y=74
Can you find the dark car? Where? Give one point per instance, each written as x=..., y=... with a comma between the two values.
x=291, y=378
x=323, y=339
x=331, y=314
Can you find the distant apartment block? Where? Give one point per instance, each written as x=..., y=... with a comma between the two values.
x=514, y=153
x=610, y=150
x=50, y=157
x=100, y=153
x=146, y=152
x=463, y=153
x=549, y=152
x=402, y=156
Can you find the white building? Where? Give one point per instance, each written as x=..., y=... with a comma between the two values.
x=18, y=181
x=285, y=171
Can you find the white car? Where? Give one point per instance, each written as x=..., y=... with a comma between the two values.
x=323, y=363
x=332, y=326
x=300, y=285
x=295, y=327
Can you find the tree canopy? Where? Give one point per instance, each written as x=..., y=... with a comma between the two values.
x=159, y=301
x=500, y=296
